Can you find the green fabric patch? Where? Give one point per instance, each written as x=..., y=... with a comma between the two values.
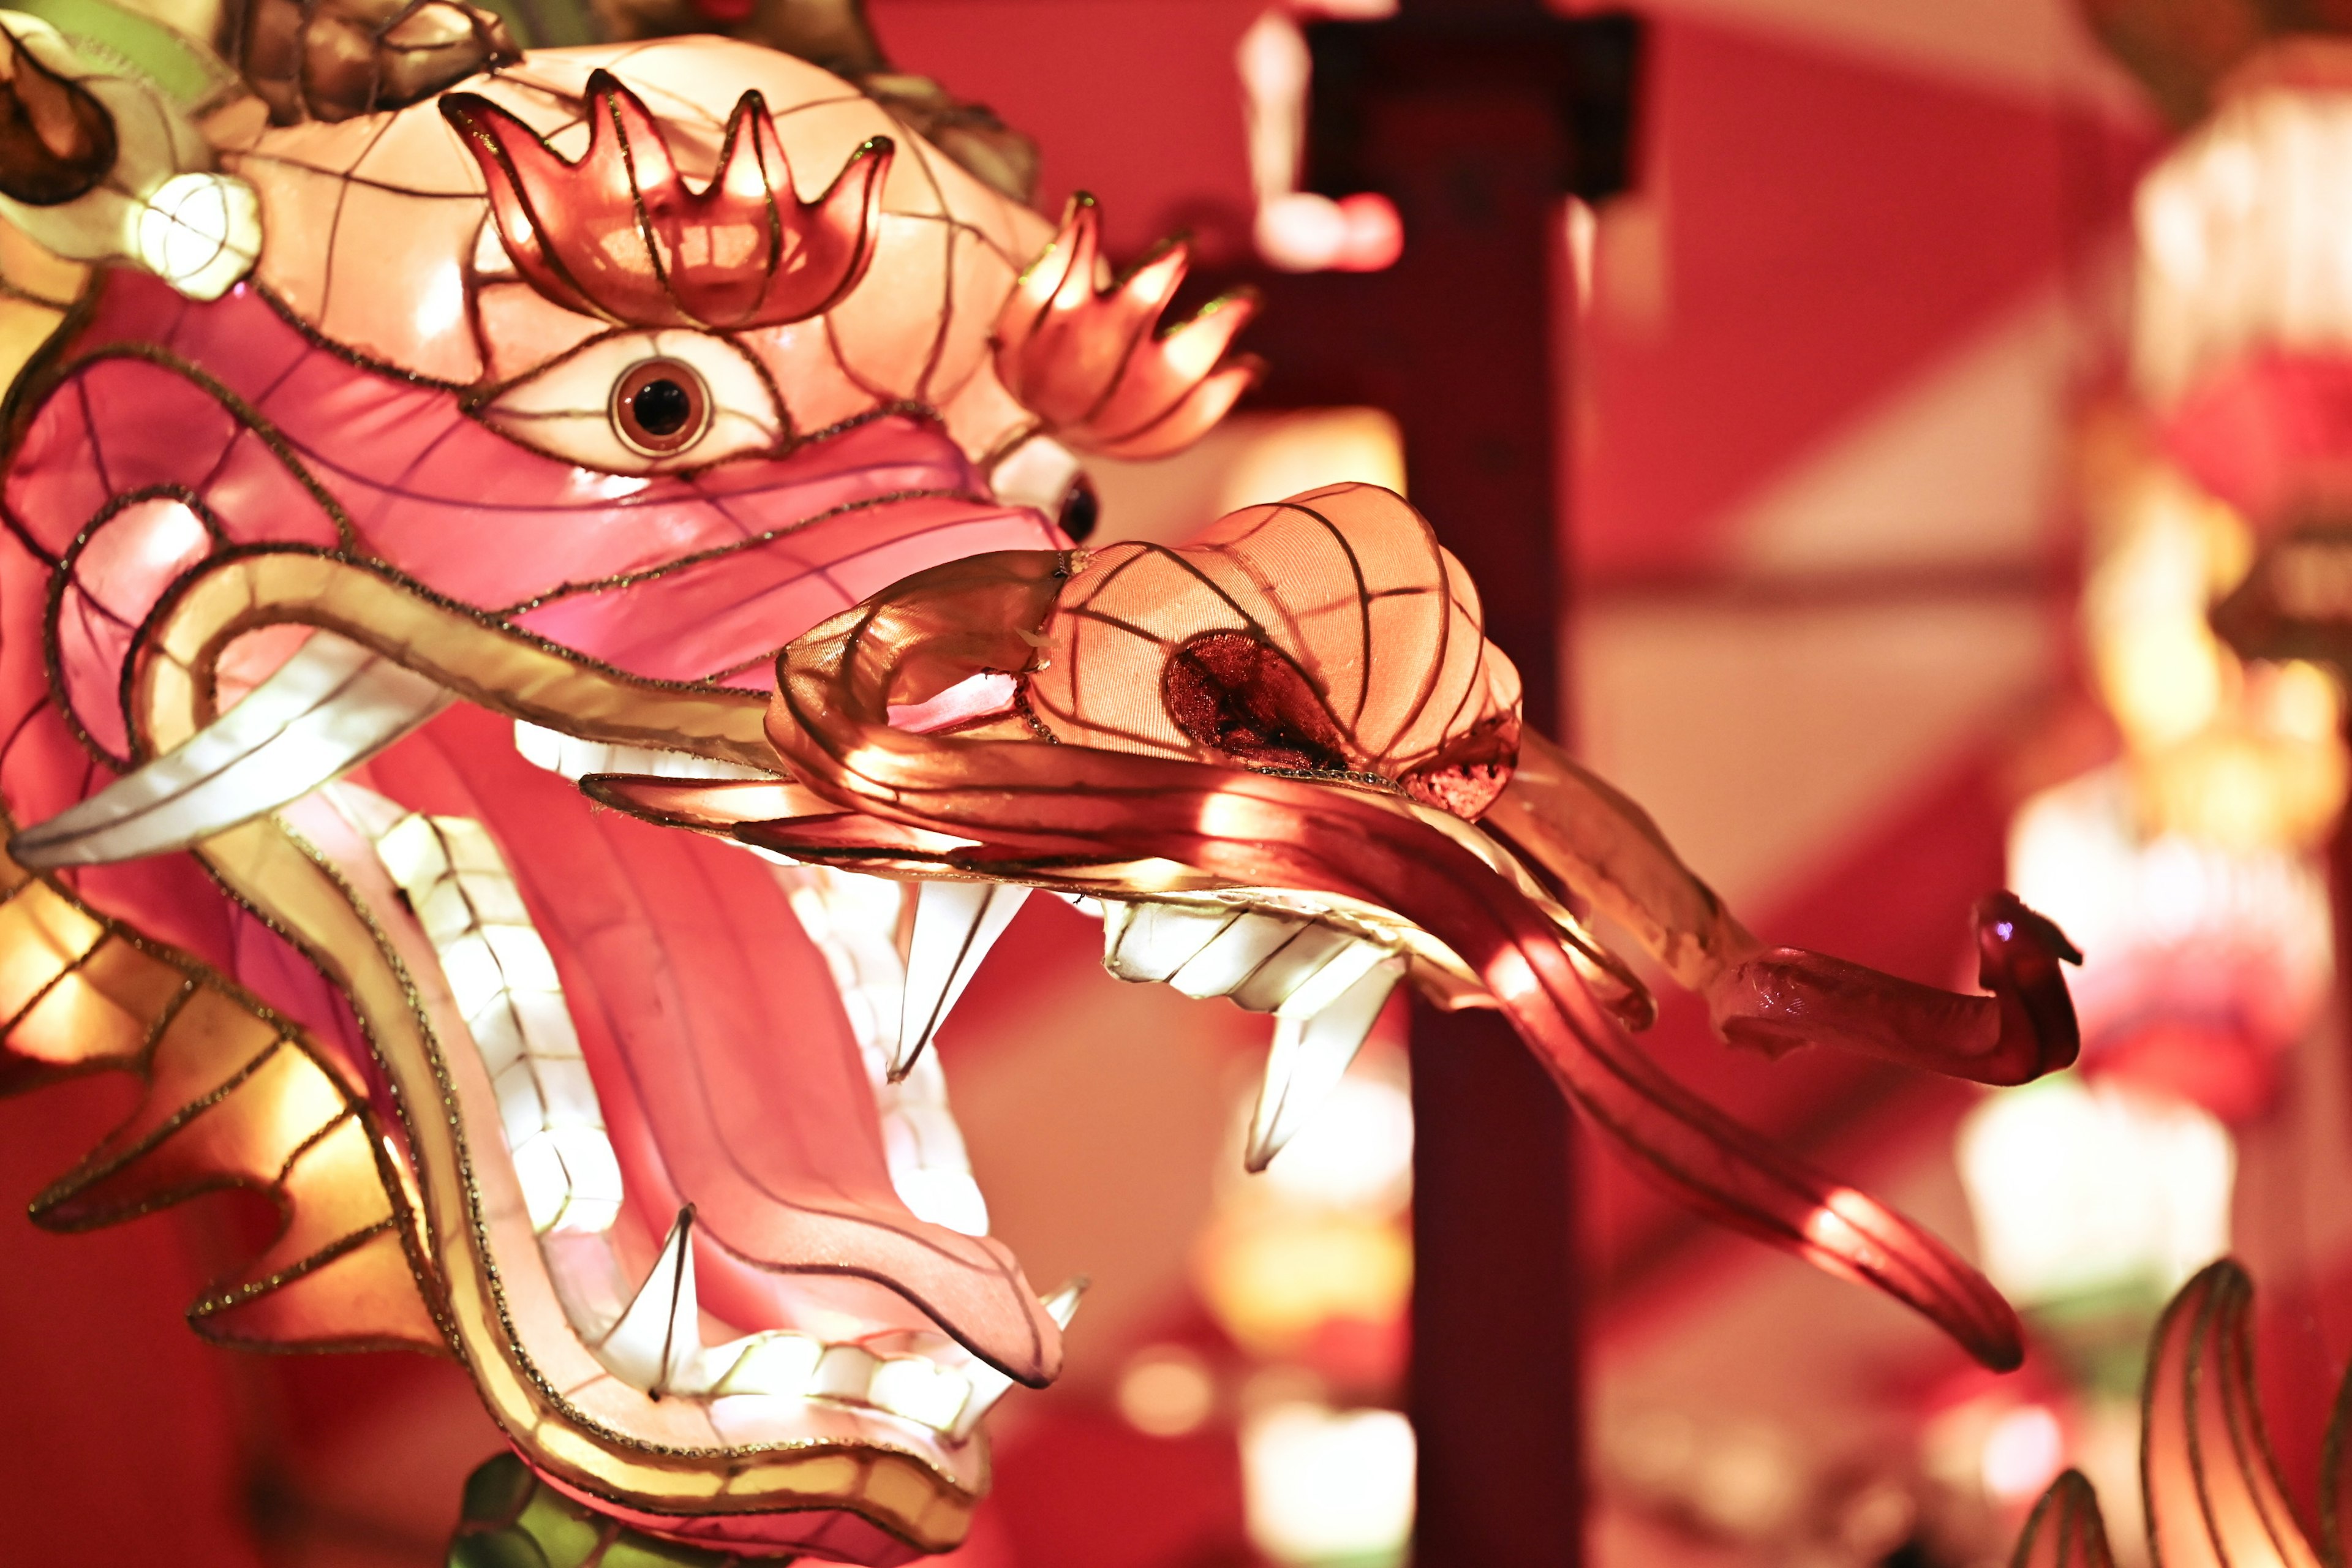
x=186, y=70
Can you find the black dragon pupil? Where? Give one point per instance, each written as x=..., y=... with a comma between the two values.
x=662, y=407
x=1081, y=510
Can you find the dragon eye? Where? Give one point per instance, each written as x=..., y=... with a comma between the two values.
x=660, y=407
x=643, y=402
x=1043, y=473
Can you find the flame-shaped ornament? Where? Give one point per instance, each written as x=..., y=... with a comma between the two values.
x=1086, y=359
x=620, y=235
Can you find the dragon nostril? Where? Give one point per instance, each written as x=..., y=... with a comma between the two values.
x=1242, y=696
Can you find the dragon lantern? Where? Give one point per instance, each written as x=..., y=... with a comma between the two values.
x=419, y=446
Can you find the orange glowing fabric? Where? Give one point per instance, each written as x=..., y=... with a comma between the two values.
x=1347, y=708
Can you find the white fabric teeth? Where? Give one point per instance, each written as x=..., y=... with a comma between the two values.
x=1324, y=984
x=504, y=982
x=329, y=707
x=988, y=1386
x=656, y=1343
x=576, y=759
x=955, y=924
x=855, y=921
x=788, y=1365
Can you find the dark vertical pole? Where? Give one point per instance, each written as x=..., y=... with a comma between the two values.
x=1495, y=1384
x=1476, y=117
x=1494, y=1381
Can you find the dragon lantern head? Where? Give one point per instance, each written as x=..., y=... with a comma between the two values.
x=412, y=467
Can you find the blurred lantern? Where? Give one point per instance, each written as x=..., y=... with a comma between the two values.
x=1307, y=1266
x=2083, y=1192
x=2187, y=871
x=1300, y=231
x=1323, y=1485
x=1311, y=1261
x=1166, y=1391
x=2242, y=331
x=2023, y=1453
x=2203, y=962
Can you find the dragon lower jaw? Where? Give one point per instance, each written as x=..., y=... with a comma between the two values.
x=626, y=1293
x=679, y=1374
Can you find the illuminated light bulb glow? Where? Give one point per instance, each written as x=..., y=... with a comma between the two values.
x=1355, y=1152
x=2202, y=963
x=2022, y=1451
x=2080, y=1191
x=1321, y=1485
x=199, y=232
x=1166, y=1392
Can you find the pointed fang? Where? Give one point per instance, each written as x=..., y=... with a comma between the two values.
x=988, y=1386
x=1310, y=1054
x=1063, y=1304
x=955, y=925
x=329, y=707
x=657, y=1342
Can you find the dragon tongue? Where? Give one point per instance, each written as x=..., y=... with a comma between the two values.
x=726, y=1081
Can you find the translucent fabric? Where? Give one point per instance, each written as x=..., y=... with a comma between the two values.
x=1329, y=632
x=2214, y=1500
x=1090, y=362
x=619, y=234
x=231, y=1097
x=1278, y=788
x=407, y=428
x=2211, y=1488
x=1607, y=850
x=2065, y=1529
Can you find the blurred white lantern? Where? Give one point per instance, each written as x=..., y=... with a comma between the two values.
x=1323, y=1486
x=2245, y=227
x=2084, y=1190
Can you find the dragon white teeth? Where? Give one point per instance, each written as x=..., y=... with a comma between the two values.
x=1319, y=960
x=1313, y=1045
x=1148, y=940
x=854, y=920
x=988, y=1384
x=845, y=1372
x=1063, y=1304
x=575, y=759
x=657, y=1343
x=504, y=980
x=782, y=1364
x=1325, y=986
x=955, y=925
x=779, y=1364
x=329, y=707
x=1236, y=955
x=919, y=1389
x=498, y=971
